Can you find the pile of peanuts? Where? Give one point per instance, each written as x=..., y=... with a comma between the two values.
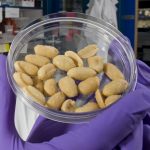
x=36, y=76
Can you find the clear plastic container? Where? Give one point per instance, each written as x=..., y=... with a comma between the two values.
x=72, y=31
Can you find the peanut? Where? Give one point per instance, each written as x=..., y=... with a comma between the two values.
x=99, y=98
x=68, y=86
x=96, y=63
x=36, y=95
x=18, y=67
x=50, y=87
x=78, y=61
x=36, y=76
x=47, y=71
x=111, y=99
x=22, y=79
x=38, y=84
x=90, y=106
x=68, y=106
x=25, y=67
x=81, y=73
x=88, y=51
x=113, y=72
x=63, y=62
x=55, y=101
x=89, y=85
x=37, y=60
x=115, y=87
x=45, y=50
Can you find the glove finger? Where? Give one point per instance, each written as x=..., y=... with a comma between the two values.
x=135, y=140
x=7, y=105
x=47, y=130
x=3, y=78
x=3, y=75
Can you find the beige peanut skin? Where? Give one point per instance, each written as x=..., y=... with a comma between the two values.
x=36, y=95
x=40, y=86
x=22, y=79
x=113, y=72
x=99, y=99
x=50, y=87
x=96, y=63
x=37, y=60
x=78, y=61
x=68, y=86
x=115, y=87
x=37, y=83
x=111, y=99
x=68, y=106
x=25, y=67
x=81, y=73
x=56, y=101
x=47, y=71
x=18, y=68
x=63, y=62
x=90, y=106
x=89, y=85
x=46, y=51
x=88, y=51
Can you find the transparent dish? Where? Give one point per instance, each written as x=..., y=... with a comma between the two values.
x=72, y=31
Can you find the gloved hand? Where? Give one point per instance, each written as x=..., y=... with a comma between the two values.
x=139, y=139
x=104, y=132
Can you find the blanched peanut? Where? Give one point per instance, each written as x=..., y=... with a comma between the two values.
x=115, y=87
x=81, y=73
x=89, y=85
x=68, y=105
x=55, y=101
x=22, y=79
x=63, y=62
x=47, y=71
x=113, y=72
x=88, y=51
x=99, y=98
x=45, y=50
x=68, y=86
x=38, y=78
x=111, y=99
x=78, y=61
x=37, y=60
x=90, y=106
x=25, y=67
x=50, y=87
x=38, y=84
x=17, y=66
x=35, y=94
x=96, y=63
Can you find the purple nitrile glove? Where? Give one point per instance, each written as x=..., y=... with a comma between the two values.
x=104, y=132
x=132, y=142
x=139, y=139
x=135, y=140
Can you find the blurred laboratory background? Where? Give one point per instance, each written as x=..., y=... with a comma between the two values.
x=131, y=17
